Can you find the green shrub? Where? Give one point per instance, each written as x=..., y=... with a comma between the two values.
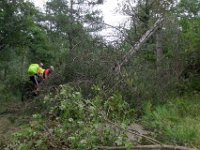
x=73, y=122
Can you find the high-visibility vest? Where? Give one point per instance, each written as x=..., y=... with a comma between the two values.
x=35, y=69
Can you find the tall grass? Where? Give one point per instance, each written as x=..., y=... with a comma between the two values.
x=177, y=122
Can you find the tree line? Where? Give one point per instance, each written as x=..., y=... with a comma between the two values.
x=60, y=35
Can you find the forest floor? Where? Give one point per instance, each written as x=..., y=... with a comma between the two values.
x=12, y=116
x=16, y=115
x=7, y=127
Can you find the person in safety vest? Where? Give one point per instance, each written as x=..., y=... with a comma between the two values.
x=35, y=71
x=47, y=72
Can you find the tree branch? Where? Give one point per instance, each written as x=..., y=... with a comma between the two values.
x=134, y=133
x=148, y=147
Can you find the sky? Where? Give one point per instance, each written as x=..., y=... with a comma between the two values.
x=111, y=16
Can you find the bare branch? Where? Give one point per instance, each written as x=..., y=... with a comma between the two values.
x=136, y=134
x=148, y=147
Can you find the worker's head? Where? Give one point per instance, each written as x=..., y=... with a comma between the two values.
x=51, y=68
x=41, y=64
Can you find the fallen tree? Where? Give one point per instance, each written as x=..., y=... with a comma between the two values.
x=145, y=37
x=116, y=68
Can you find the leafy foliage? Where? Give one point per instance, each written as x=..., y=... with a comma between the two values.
x=61, y=37
x=76, y=123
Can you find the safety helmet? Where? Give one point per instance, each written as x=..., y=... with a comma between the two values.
x=52, y=68
x=41, y=64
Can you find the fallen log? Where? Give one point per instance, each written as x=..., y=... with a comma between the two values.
x=147, y=147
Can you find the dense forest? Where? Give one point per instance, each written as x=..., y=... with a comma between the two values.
x=139, y=91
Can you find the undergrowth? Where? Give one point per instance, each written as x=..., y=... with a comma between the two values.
x=177, y=122
x=71, y=122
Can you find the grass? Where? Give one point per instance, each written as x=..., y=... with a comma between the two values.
x=177, y=122
x=13, y=114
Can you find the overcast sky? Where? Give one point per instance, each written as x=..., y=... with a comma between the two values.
x=109, y=13
x=112, y=17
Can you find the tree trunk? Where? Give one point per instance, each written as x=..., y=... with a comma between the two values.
x=71, y=26
x=159, y=49
x=138, y=45
x=116, y=69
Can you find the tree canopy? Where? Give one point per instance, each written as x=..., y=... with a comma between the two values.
x=149, y=76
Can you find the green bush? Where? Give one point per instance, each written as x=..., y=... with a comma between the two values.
x=73, y=122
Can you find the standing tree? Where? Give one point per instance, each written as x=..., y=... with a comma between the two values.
x=145, y=73
x=68, y=24
x=21, y=41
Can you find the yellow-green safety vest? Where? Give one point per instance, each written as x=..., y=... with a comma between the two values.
x=35, y=69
